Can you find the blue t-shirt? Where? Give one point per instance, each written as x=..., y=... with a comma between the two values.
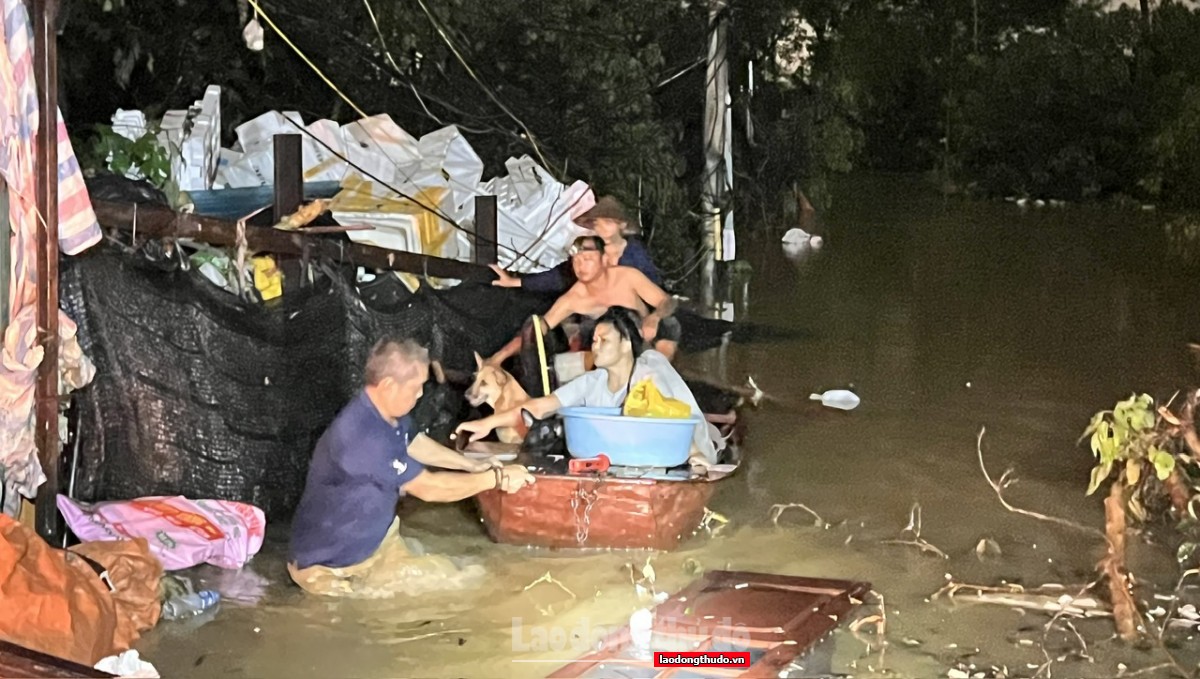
x=354, y=481
x=562, y=277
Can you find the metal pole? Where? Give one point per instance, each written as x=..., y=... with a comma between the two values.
x=728, y=243
x=45, y=73
x=716, y=90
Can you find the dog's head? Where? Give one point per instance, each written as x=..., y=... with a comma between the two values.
x=544, y=437
x=489, y=383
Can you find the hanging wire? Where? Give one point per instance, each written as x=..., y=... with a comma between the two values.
x=412, y=86
x=402, y=195
x=528, y=134
x=308, y=61
x=487, y=90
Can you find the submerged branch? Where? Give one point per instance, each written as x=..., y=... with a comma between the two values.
x=1005, y=482
x=920, y=543
x=549, y=578
x=1175, y=600
x=779, y=509
x=1047, y=598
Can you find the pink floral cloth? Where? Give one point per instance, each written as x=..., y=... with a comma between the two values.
x=77, y=231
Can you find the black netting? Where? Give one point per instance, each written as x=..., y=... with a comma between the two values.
x=201, y=394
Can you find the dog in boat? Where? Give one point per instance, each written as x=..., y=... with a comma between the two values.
x=497, y=387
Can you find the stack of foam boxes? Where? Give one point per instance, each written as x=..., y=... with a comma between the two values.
x=411, y=191
x=535, y=215
x=195, y=135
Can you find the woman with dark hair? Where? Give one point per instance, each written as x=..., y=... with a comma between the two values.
x=621, y=360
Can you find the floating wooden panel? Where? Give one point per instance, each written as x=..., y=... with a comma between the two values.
x=775, y=618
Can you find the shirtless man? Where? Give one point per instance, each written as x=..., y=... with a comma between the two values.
x=601, y=286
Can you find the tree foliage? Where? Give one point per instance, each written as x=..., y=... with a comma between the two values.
x=609, y=92
x=1046, y=98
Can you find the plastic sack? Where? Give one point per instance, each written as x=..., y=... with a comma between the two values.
x=181, y=532
x=54, y=602
x=645, y=400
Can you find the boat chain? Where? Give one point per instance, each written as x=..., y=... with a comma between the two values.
x=583, y=525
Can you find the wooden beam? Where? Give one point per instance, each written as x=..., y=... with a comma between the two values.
x=18, y=661
x=485, y=230
x=155, y=221
x=45, y=73
x=289, y=175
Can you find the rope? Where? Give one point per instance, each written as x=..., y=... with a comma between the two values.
x=487, y=90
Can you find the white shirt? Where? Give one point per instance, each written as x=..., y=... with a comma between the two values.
x=591, y=390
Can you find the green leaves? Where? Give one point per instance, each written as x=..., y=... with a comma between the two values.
x=1128, y=440
x=1164, y=463
x=143, y=156
x=1105, y=444
x=1099, y=474
x=1133, y=472
x=1135, y=413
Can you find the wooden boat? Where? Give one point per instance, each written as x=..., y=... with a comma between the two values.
x=774, y=619
x=620, y=509
x=624, y=508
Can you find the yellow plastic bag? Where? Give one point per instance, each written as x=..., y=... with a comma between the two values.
x=645, y=400
x=267, y=278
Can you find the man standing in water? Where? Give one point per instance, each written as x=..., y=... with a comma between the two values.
x=345, y=534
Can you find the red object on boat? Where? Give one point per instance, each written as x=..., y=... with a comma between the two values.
x=600, y=463
x=774, y=618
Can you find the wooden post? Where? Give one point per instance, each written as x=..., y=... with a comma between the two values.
x=289, y=175
x=485, y=230
x=45, y=73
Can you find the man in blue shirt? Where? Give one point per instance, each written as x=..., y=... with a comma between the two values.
x=345, y=530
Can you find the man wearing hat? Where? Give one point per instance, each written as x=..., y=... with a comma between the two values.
x=608, y=220
x=601, y=286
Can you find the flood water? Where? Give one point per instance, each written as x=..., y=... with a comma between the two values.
x=946, y=318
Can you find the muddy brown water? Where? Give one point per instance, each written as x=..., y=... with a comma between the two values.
x=946, y=318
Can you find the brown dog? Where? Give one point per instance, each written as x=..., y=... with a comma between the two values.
x=494, y=386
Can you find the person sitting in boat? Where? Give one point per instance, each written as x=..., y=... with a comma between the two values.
x=345, y=535
x=621, y=360
x=621, y=248
x=600, y=287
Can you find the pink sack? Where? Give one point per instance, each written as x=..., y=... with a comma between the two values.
x=182, y=533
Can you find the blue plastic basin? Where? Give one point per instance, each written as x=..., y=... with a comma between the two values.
x=628, y=441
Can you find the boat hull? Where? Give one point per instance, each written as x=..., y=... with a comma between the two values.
x=563, y=511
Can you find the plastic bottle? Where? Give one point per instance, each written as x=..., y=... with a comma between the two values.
x=188, y=605
x=837, y=398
